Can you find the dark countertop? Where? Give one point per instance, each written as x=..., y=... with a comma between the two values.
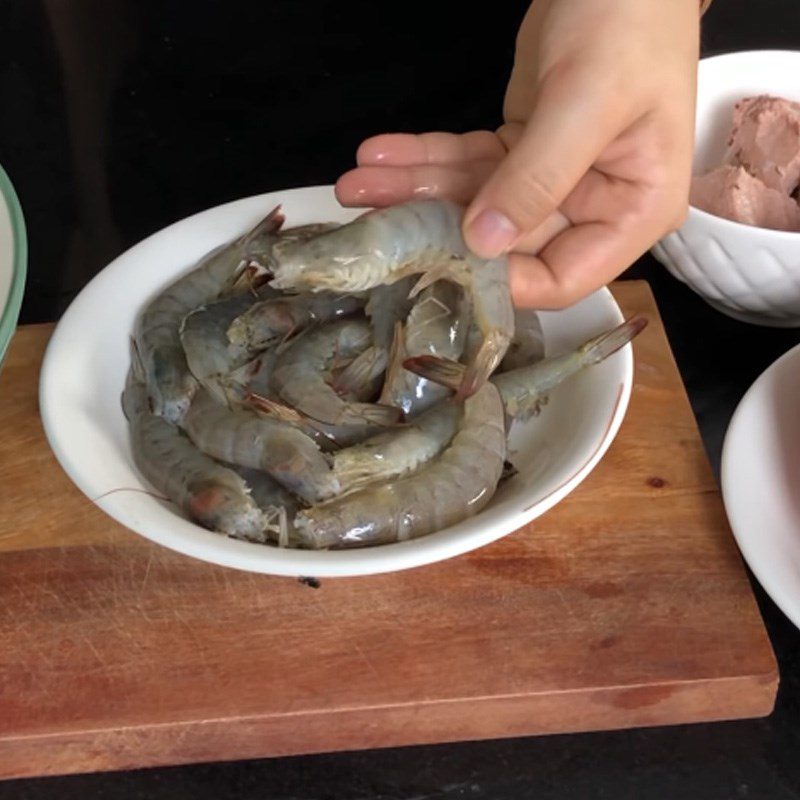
x=122, y=117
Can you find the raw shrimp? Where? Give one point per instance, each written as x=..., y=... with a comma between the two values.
x=250, y=386
x=328, y=437
x=394, y=453
x=240, y=436
x=455, y=486
x=271, y=321
x=524, y=389
x=527, y=346
x=170, y=382
x=251, y=378
x=209, y=354
x=212, y=495
x=357, y=381
x=380, y=247
x=299, y=375
x=437, y=326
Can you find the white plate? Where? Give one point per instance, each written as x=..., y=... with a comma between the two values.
x=87, y=358
x=761, y=480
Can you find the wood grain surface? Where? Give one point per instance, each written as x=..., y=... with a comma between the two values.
x=626, y=605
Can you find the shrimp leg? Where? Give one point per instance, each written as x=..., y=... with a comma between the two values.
x=276, y=503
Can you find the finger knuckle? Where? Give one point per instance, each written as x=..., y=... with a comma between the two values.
x=529, y=198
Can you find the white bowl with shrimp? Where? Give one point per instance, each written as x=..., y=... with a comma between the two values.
x=87, y=360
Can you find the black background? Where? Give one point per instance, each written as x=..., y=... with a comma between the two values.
x=121, y=117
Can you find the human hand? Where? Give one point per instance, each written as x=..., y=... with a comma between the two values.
x=593, y=162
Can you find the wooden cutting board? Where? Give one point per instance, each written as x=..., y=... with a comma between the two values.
x=626, y=605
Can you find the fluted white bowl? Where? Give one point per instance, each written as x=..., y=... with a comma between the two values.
x=749, y=273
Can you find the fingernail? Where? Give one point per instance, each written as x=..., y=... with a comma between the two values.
x=492, y=233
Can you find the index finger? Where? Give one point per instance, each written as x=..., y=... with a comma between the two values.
x=436, y=148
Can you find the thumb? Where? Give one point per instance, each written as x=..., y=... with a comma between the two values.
x=570, y=125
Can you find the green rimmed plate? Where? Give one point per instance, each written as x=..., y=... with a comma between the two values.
x=13, y=260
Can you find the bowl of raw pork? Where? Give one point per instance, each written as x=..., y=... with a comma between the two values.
x=13, y=261
x=250, y=471
x=739, y=247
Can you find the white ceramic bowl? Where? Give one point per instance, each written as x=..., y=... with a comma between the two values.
x=749, y=273
x=84, y=372
x=13, y=261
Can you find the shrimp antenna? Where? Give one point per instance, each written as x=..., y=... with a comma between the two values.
x=272, y=223
x=136, y=360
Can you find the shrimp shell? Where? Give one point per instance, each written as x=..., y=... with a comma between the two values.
x=387, y=305
x=299, y=377
x=239, y=436
x=328, y=437
x=455, y=486
x=394, y=453
x=210, y=494
x=361, y=379
x=254, y=377
x=267, y=323
x=209, y=354
x=527, y=346
x=436, y=325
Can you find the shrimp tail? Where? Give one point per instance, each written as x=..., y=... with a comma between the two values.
x=289, y=415
x=371, y=414
x=275, y=409
x=361, y=372
x=601, y=347
x=397, y=356
x=439, y=370
x=486, y=361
